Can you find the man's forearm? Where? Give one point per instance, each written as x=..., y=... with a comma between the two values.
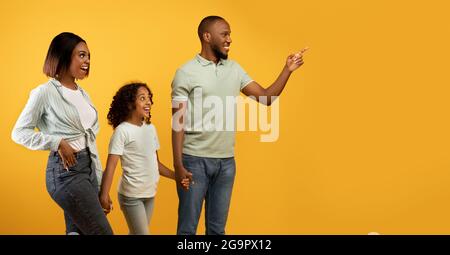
x=277, y=87
x=178, y=112
x=177, y=148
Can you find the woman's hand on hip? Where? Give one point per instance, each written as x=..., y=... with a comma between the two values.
x=67, y=154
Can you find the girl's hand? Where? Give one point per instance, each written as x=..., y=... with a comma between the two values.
x=106, y=203
x=185, y=183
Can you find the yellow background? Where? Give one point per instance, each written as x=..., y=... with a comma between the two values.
x=364, y=127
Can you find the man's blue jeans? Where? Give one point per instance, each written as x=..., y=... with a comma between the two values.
x=213, y=182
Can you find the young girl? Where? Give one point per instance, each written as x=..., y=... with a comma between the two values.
x=135, y=142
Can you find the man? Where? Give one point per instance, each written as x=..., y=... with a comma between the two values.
x=207, y=156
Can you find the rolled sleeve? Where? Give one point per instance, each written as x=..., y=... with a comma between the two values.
x=180, y=87
x=244, y=78
x=24, y=132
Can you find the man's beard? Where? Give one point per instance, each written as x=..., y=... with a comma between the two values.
x=217, y=53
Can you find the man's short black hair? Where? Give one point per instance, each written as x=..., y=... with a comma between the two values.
x=205, y=23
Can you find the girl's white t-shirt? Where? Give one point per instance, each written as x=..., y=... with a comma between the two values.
x=137, y=146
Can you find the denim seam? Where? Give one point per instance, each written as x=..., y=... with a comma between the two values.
x=77, y=203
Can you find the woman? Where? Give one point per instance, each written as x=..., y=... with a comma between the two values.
x=68, y=124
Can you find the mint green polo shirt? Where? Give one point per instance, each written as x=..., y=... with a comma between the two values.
x=209, y=90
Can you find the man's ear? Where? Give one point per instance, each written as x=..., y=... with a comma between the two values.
x=206, y=37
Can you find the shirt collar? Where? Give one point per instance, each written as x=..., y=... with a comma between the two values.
x=204, y=62
x=55, y=82
x=59, y=85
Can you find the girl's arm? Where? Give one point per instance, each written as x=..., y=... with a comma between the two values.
x=164, y=170
x=107, y=179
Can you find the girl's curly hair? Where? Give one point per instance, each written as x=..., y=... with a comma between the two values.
x=124, y=103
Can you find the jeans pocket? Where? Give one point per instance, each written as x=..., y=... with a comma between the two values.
x=191, y=162
x=62, y=173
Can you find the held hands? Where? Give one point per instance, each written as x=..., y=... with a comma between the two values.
x=183, y=177
x=106, y=203
x=294, y=61
x=67, y=154
x=186, y=182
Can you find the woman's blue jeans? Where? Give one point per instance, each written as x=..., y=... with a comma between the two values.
x=76, y=191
